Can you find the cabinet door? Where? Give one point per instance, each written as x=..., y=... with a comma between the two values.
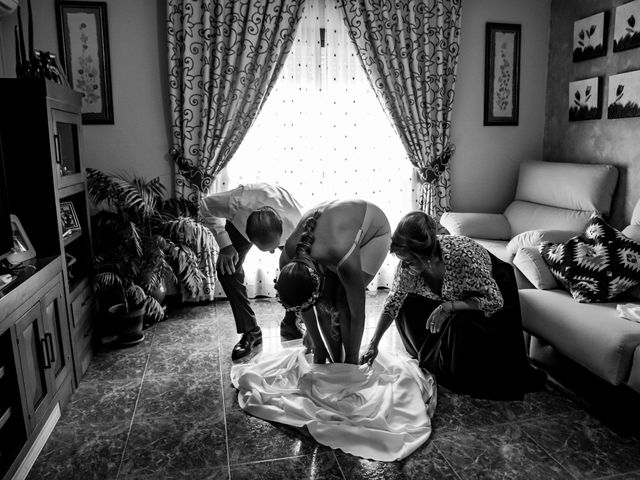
x=37, y=374
x=66, y=128
x=56, y=328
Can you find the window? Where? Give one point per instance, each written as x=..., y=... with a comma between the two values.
x=322, y=134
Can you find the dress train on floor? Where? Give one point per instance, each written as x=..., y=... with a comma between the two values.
x=382, y=412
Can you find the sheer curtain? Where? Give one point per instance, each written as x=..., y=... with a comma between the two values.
x=322, y=134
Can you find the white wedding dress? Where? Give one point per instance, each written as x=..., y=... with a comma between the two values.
x=382, y=412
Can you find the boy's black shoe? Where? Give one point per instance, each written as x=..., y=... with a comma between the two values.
x=246, y=343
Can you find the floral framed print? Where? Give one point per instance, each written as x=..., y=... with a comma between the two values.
x=624, y=95
x=626, y=28
x=84, y=50
x=590, y=37
x=584, y=99
x=502, y=74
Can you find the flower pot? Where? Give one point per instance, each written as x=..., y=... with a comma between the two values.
x=129, y=323
x=159, y=293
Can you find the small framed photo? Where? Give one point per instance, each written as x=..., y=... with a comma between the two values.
x=502, y=74
x=626, y=28
x=68, y=218
x=624, y=95
x=584, y=99
x=590, y=37
x=84, y=50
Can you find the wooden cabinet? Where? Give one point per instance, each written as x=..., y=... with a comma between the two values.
x=35, y=362
x=34, y=359
x=56, y=327
x=46, y=317
x=41, y=128
x=13, y=429
x=43, y=348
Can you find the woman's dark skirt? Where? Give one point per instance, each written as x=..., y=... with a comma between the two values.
x=472, y=354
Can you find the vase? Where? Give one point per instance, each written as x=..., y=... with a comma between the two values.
x=129, y=324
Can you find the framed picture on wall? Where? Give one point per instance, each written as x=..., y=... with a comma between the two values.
x=502, y=74
x=590, y=37
x=626, y=28
x=624, y=95
x=84, y=49
x=584, y=99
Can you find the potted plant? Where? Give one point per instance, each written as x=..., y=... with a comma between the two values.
x=143, y=242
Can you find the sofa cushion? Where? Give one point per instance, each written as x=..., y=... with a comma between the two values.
x=497, y=247
x=481, y=225
x=571, y=186
x=523, y=216
x=633, y=232
x=530, y=263
x=592, y=335
x=635, y=215
x=634, y=376
x=533, y=238
x=597, y=265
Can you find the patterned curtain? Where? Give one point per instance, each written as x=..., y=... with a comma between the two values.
x=409, y=50
x=224, y=58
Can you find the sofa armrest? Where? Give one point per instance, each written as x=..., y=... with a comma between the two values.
x=492, y=226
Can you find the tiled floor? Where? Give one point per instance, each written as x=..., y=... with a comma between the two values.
x=166, y=409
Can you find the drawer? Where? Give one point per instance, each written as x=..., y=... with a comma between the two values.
x=83, y=334
x=80, y=305
x=85, y=360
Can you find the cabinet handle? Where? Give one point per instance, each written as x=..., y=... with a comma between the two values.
x=56, y=141
x=45, y=353
x=49, y=338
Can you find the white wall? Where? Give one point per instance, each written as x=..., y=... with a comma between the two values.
x=484, y=167
x=137, y=142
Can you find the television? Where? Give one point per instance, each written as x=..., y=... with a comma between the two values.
x=6, y=227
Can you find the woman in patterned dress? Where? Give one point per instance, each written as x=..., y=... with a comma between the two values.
x=457, y=311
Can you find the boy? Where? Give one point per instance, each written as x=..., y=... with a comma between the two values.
x=254, y=214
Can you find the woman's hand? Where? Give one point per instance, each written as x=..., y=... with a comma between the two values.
x=370, y=355
x=438, y=316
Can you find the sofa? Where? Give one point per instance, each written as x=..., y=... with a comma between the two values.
x=553, y=202
x=552, y=198
x=592, y=335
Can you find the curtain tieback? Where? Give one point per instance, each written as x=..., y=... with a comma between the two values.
x=432, y=171
x=195, y=176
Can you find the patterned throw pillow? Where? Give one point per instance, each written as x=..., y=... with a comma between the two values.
x=596, y=265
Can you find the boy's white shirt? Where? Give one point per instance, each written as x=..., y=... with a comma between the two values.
x=236, y=205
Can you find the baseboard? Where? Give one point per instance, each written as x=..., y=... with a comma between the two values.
x=38, y=444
